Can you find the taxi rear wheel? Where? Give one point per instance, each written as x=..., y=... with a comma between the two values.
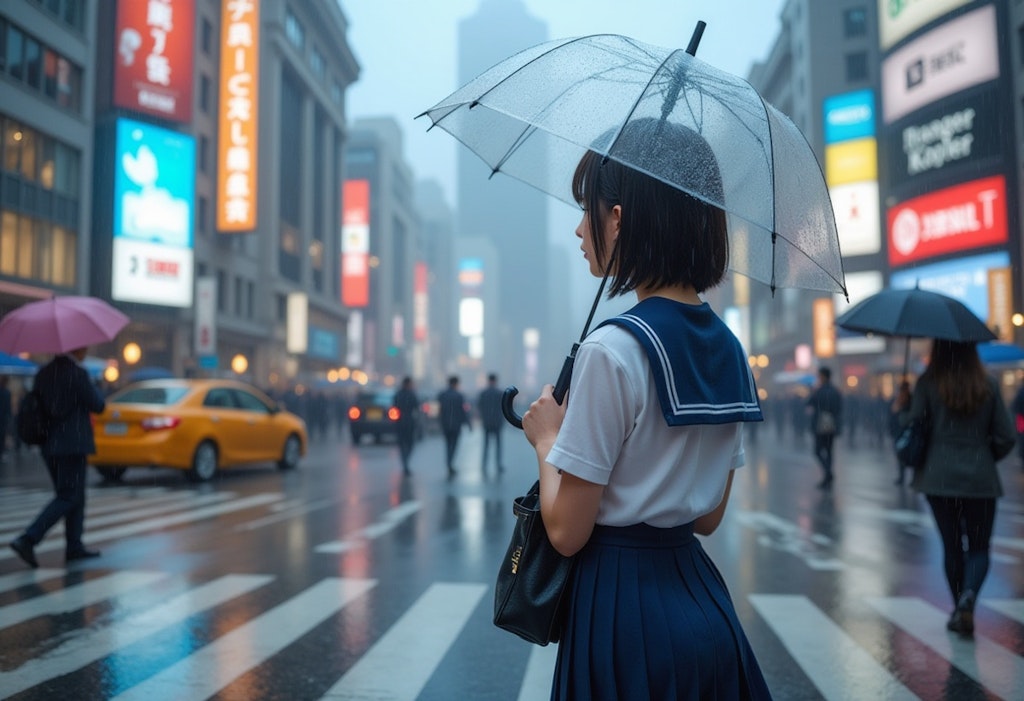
x=204, y=463
x=290, y=454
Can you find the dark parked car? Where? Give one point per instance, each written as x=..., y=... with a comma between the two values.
x=373, y=414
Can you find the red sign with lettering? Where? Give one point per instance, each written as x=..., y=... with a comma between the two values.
x=153, y=57
x=958, y=218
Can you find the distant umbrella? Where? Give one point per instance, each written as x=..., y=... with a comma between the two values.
x=13, y=365
x=996, y=352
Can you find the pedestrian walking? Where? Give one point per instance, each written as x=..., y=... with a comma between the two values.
x=5, y=415
x=408, y=405
x=825, y=406
x=969, y=432
x=488, y=405
x=67, y=397
x=454, y=416
x=899, y=419
x=633, y=464
x=1017, y=408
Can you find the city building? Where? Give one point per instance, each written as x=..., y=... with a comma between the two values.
x=47, y=76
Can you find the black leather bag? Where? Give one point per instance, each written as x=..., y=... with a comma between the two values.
x=532, y=581
x=912, y=444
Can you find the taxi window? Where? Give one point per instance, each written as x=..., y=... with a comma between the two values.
x=150, y=395
x=250, y=402
x=219, y=398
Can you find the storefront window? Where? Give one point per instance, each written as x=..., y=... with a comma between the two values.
x=8, y=242
x=15, y=46
x=13, y=136
x=46, y=163
x=25, y=236
x=28, y=154
x=33, y=63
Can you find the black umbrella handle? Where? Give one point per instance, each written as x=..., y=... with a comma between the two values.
x=561, y=389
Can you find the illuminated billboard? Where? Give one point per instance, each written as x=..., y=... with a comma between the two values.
x=965, y=279
x=851, y=161
x=239, y=108
x=899, y=18
x=959, y=218
x=154, y=191
x=955, y=132
x=849, y=116
x=153, y=57
x=954, y=56
x=355, y=243
x=857, y=214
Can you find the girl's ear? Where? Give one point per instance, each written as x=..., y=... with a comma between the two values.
x=615, y=220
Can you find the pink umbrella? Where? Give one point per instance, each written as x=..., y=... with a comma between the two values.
x=59, y=325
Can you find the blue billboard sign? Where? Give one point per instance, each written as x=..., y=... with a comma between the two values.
x=965, y=279
x=849, y=116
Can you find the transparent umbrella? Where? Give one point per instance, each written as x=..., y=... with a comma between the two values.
x=534, y=115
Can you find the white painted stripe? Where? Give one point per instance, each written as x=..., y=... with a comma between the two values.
x=994, y=667
x=540, y=674
x=1003, y=559
x=20, y=579
x=156, y=524
x=76, y=596
x=1011, y=543
x=1011, y=608
x=284, y=514
x=439, y=614
x=149, y=510
x=833, y=661
x=205, y=672
x=94, y=506
x=91, y=644
x=387, y=522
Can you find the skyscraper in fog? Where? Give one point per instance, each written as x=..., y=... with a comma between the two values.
x=508, y=214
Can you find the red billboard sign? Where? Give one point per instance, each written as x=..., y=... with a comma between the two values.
x=153, y=57
x=355, y=243
x=959, y=218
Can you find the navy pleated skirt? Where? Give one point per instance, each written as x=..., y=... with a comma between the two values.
x=649, y=617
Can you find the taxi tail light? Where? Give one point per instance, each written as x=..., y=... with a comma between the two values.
x=354, y=413
x=160, y=423
x=394, y=413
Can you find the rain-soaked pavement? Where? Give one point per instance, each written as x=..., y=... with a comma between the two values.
x=343, y=580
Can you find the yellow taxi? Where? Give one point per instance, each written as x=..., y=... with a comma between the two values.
x=199, y=426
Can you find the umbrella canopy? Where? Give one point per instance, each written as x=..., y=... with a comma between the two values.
x=59, y=325
x=534, y=115
x=915, y=313
x=997, y=352
x=13, y=365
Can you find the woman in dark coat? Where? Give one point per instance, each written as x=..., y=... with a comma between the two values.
x=970, y=431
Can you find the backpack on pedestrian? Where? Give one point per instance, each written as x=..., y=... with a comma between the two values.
x=33, y=422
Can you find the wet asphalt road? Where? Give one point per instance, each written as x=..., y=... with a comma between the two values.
x=345, y=580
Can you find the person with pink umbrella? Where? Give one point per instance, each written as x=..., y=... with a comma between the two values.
x=65, y=326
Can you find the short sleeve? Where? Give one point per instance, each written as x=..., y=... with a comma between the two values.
x=599, y=417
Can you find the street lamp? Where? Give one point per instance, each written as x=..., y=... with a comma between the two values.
x=131, y=353
x=239, y=364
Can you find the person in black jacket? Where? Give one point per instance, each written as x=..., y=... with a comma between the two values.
x=5, y=415
x=67, y=396
x=408, y=405
x=488, y=405
x=826, y=408
x=453, y=417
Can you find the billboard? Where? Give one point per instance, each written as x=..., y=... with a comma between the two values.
x=956, y=132
x=956, y=55
x=849, y=116
x=239, y=108
x=966, y=279
x=959, y=218
x=899, y=18
x=153, y=57
x=154, y=193
x=355, y=243
x=851, y=161
x=858, y=215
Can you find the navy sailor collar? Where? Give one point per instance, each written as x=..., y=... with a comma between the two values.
x=700, y=369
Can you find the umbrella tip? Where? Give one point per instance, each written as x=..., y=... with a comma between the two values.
x=698, y=32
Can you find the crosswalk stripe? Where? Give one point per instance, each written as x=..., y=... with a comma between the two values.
x=76, y=597
x=143, y=511
x=443, y=610
x=1011, y=608
x=15, y=518
x=540, y=673
x=387, y=522
x=20, y=579
x=92, y=644
x=833, y=661
x=984, y=661
x=154, y=524
x=1012, y=543
x=207, y=671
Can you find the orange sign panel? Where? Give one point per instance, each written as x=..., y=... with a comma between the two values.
x=239, y=107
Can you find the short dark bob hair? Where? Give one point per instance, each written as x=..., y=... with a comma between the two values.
x=666, y=236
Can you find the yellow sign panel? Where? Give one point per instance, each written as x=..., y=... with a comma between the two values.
x=824, y=328
x=853, y=161
x=239, y=107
